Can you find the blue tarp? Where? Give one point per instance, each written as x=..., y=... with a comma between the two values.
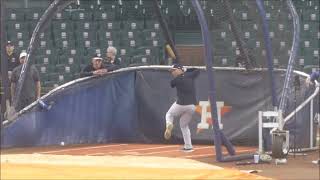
x=98, y=110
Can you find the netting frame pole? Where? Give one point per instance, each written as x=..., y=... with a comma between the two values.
x=4, y=66
x=219, y=137
x=294, y=49
x=5, y=98
x=267, y=41
x=53, y=7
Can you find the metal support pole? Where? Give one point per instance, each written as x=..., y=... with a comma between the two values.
x=260, y=133
x=311, y=123
x=4, y=61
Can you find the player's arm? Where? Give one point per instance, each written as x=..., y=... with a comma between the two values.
x=38, y=89
x=36, y=79
x=173, y=82
x=14, y=80
x=193, y=72
x=310, y=80
x=86, y=72
x=13, y=88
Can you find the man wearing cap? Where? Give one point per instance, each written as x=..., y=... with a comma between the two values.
x=9, y=62
x=96, y=68
x=32, y=88
x=11, y=56
x=184, y=107
x=112, y=62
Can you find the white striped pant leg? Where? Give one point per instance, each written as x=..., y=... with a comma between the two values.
x=174, y=111
x=184, y=125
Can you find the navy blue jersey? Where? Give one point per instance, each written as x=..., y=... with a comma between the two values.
x=185, y=85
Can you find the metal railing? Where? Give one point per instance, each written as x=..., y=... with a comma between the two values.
x=308, y=101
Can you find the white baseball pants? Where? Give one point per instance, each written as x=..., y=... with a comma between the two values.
x=185, y=112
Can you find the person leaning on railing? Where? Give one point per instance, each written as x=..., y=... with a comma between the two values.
x=95, y=68
x=310, y=81
x=313, y=76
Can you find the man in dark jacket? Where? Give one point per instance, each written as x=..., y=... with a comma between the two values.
x=96, y=68
x=184, y=107
x=11, y=56
x=32, y=87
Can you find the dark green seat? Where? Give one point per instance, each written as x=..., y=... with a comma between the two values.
x=131, y=34
x=109, y=25
x=108, y=35
x=150, y=34
x=62, y=15
x=16, y=14
x=130, y=43
x=104, y=15
x=141, y=60
x=81, y=15
x=132, y=25
x=34, y=14
x=84, y=25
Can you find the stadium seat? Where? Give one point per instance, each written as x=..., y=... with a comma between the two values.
x=81, y=15
x=150, y=34
x=85, y=25
x=152, y=25
x=131, y=34
x=223, y=61
x=109, y=25
x=130, y=43
x=132, y=10
x=16, y=26
x=67, y=68
x=105, y=43
x=125, y=55
x=141, y=60
x=45, y=68
x=133, y=25
x=45, y=60
x=86, y=38
x=108, y=35
x=16, y=14
x=62, y=26
x=311, y=15
x=70, y=60
x=62, y=15
x=34, y=14
x=104, y=15
x=147, y=51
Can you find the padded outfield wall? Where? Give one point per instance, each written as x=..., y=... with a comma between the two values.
x=130, y=106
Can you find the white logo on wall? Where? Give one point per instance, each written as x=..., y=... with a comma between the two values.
x=204, y=110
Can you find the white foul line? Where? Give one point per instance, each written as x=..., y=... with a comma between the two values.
x=82, y=148
x=133, y=150
x=159, y=147
x=157, y=152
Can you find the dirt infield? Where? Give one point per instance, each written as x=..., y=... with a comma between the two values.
x=142, y=161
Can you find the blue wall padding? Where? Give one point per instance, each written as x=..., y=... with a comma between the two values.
x=131, y=107
x=98, y=110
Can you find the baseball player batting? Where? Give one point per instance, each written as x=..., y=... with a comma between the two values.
x=184, y=107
